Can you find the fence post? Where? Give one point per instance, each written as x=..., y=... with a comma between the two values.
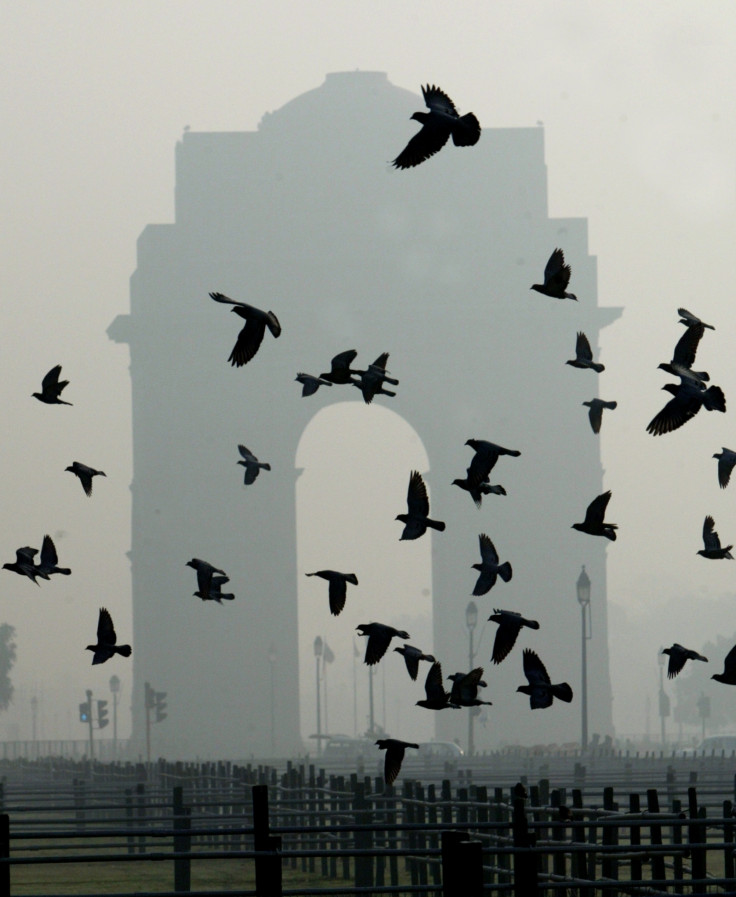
x=5, y=854
x=462, y=865
x=268, y=864
x=655, y=837
x=525, y=863
x=182, y=842
x=363, y=839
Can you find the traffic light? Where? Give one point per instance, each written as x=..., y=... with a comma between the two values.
x=102, y=719
x=150, y=696
x=160, y=705
x=84, y=711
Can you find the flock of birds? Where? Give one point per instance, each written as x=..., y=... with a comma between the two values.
x=693, y=392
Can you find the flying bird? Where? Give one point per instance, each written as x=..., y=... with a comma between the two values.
x=394, y=755
x=251, y=464
x=595, y=413
x=106, y=646
x=688, y=399
x=556, y=278
x=489, y=567
x=416, y=520
x=465, y=688
x=24, y=565
x=437, y=698
x=678, y=657
x=689, y=319
x=51, y=388
x=205, y=574
x=340, y=371
x=251, y=336
x=486, y=456
x=438, y=124
x=370, y=382
x=593, y=523
x=683, y=357
x=728, y=676
x=510, y=624
x=540, y=689
x=379, y=637
x=85, y=475
x=584, y=355
x=49, y=560
x=338, y=587
x=713, y=550
x=477, y=489
x=726, y=461
x=197, y=564
x=310, y=383
x=212, y=590
x=412, y=656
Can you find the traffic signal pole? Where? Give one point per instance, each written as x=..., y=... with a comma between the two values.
x=91, y=728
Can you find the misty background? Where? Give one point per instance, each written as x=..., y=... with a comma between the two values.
x=639, y=128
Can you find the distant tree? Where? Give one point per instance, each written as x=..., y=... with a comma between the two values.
x=7, y=659
x=695, y=680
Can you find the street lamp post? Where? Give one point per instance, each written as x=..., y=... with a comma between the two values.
x=272, y=664
x=115, y=689
x=471, y=621
x=317, y=655
x=583, y=592
x=664, y=701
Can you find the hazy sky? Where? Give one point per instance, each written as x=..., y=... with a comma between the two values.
x=639, y=111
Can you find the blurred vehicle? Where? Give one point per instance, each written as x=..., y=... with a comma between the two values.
x=345, y=747
x=711, y=744
x=440, y=750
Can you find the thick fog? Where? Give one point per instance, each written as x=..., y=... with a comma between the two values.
x=636, y=112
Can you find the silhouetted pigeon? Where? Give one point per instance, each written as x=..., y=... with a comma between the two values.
x=540, y=689
x=465, y=688
x=689, y=319
x=593, y=523
x=489, y=567
x=438, y=124
x=683, y=357
x=713, y=550
x=106, y=646
x=379, y=637
x=394, y=755
x=51, y=388
x=509, y=625
x=726, y=461
x=678, y=657
x=584, y=355
x=251, y=336
x=251, y=464
x=416, y=519
x=24, y=564
x=310, y=383
x=205, y=574
x=688, y=400
x=50, y=560
x=437, y=698
x=595, y=414
x=556, y=278
x=197, y=564
x=412, y=656
x=338, y=588
x=213, y=588
x=728, y=676
x=486, y=455
x=340, y=371
x=477, y=489
x=85, y=475
x=370, y=382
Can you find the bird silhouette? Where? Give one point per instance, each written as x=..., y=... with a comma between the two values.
x=593, y=523
x=489, y=567
x=689, y=319
x=584, y=355
x=49, y=560
x=379, y=637
x=338, y=587
x=416, y=520
x=85, y=475
x=24, y=565
x=210, y=588
x=678, y=657
x=310, y=383
x=465, y=688
x=595, y=414
x=688, y=399
x=205, y=573
x=436, y=696
x=412, y=656
x=370, y=382
x=340, y=371
x=713, y=550
x=556, y=278
x=251, y=336
x=441, y=122
x=728, y=676
x=106, y=646
x=51, y=388
x=726, y=461
x=477, y=489
x=394, y=756
x=540, y=689
x=251, y=464
x=510, y=624
x=683, y=357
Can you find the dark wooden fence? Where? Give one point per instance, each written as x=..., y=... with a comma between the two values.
x=356, y=836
